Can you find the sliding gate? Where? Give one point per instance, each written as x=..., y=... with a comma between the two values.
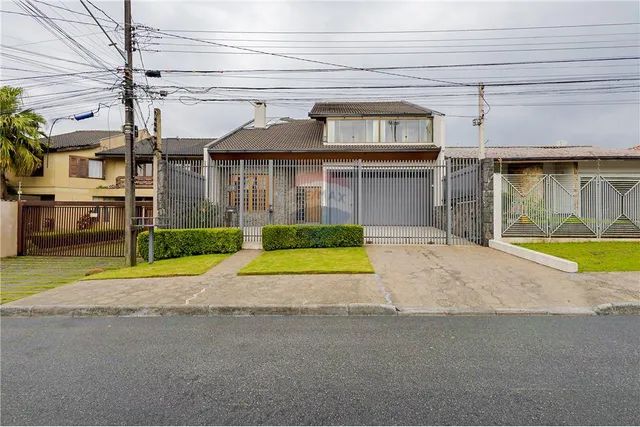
x=396, y=202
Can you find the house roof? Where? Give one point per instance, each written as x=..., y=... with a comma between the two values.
x=571, y=152
x=289, y=135
x=79, y=139
x=345, y=109
x=185, y=147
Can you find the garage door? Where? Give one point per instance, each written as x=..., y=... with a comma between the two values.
x=397, y=197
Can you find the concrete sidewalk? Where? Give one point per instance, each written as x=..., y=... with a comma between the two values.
x=409, y=280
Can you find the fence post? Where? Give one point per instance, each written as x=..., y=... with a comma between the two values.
x=497, y=206
x=359, y=207
x=151, y=256
x=20, y=245
x=270, y=191
x=241, y=191
x=448, y=198
x=598, y=207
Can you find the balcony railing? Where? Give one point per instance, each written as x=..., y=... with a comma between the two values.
x=140, y=182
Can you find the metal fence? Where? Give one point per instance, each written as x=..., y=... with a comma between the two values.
x=74, y=228
x=570, y=206
x=396, y=202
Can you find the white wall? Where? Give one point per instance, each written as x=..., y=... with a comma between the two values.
x=8, y=228
x=606, y=167
x=439, y=137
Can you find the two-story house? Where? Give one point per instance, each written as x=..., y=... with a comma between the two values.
x=372, y=163
x=89, y=166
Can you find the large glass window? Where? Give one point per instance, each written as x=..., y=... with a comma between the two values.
x=407, y=131
x=380, y=130
x=356, y=131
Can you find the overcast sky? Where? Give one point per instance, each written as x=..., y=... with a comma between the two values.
x=607, y=116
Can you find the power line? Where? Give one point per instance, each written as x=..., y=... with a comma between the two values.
x=612, y=24
x=539, y=36
x=54, y=19
x=114, y=44
x=360, y=53
x=162, y=44
x=313, y=61
x=409, y=67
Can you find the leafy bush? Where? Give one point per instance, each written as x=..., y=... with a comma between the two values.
x=175, y=243
x=53, y=239
x=311, y=236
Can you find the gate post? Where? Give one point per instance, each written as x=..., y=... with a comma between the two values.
x=20, y=245
x=359, y=206
x=448, y=198
x=270, y=191
x=241, y=207
x=497, y=206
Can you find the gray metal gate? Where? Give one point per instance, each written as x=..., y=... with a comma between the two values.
x=397, y=202
x=570, y=206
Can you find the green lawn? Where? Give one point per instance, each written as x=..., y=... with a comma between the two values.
x=28, y=275
x=310, y=261
x=594, y=256
x=185, y=266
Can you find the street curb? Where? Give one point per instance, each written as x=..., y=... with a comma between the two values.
x=450, y=311
x=618, y=308
x=200, y=310
x=354, y=309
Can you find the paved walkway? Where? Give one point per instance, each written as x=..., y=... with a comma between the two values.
x=461, y=277
x=219, y=286
x=474, y=277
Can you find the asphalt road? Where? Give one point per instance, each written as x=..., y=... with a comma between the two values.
x=313, y=370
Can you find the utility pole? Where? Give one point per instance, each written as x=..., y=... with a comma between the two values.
x=159, y=177
x=129, y=157
x=480, y=122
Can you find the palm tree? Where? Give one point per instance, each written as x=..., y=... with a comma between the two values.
x=21, y=148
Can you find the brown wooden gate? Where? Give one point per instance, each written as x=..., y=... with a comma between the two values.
x=74, y=228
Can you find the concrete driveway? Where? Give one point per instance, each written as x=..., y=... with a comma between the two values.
x=474, y=277
x=467, y=278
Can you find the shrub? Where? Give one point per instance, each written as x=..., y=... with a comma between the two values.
x=311, y=236
x=53, y=239
x=175, y=243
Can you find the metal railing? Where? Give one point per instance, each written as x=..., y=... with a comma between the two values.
x=570, y=206
x=397, y=202
x=74, y=228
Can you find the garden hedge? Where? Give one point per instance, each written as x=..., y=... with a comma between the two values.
x=175, y=243
x=53, y=239
x=311, y=236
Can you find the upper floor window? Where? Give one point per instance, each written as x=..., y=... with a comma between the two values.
x=379, y=131
x=407, y=131
x=83, y=167
x=144, y=169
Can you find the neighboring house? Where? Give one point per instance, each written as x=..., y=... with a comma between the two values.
x=185, y=150
x=564, y=191
x=89, y=166
x=578, y=159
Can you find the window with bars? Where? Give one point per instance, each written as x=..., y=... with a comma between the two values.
x=256, y=192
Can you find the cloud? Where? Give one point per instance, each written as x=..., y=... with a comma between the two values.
x=604, y=123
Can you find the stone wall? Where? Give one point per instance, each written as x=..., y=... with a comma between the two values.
x=486, y=210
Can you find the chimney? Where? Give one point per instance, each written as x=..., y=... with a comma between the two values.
x=260, y=119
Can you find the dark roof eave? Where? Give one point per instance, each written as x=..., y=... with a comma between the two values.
x=557, y=159
x=425, y=114
x=410, y=150
x=74, y=148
